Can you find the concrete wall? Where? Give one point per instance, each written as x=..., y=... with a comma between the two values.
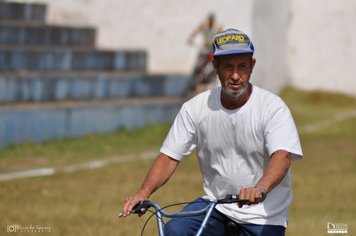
x=38, y=123
x=322, y=45
x=269, y=27
x=161, y=26
x=309, y=44
x=313, y=43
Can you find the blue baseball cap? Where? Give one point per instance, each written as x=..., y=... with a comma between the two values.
x=232, y=41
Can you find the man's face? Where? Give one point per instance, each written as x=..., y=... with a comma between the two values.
x=234, y=72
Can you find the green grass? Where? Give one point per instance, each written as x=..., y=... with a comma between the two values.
x=324, y=182
x=313, y=107
x=76, y=150
x=87, y=202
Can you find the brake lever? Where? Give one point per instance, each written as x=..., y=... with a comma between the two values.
x=232, y=198
x=140, y=208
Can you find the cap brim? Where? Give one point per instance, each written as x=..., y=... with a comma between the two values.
x=230, y=52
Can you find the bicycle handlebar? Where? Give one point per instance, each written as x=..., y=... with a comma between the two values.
x=231, y=198
x=142, y=207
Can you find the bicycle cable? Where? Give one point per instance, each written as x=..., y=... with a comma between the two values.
x=160, y=218
x=148, y=219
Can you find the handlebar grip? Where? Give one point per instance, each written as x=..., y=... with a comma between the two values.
x=232, y=198
x=140, y=208
x=244, y=202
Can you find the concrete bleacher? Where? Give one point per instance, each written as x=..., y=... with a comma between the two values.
x=14, y=11
x=66, y=58
x=32, y=33
x=42, y=87
x=55, y=82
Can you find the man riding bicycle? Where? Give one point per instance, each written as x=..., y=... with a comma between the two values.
x=245, y=139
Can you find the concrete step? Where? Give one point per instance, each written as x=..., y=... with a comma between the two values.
x=57, y=86
x=24, y=12
x=45, y=35
x=33, y=122
x=64, y=58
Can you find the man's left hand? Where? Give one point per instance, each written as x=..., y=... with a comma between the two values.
x=252, y=195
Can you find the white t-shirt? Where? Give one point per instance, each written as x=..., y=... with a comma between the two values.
x=234, y=148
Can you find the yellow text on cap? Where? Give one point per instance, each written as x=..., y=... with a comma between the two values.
x=232, y=38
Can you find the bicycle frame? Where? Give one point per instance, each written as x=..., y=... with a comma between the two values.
x=160, y=213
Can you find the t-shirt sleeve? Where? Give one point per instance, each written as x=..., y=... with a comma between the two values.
x=281, y=132
x=181, y=139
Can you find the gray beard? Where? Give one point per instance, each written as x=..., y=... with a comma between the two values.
x=235, y=95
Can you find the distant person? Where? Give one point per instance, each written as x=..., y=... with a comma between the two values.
x=245, y=140
x=203, y=76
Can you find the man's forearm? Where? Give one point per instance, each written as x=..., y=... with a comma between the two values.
x=276, y=169
x=160, y=172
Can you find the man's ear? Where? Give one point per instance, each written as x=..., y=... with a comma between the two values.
x=215, y=64
x=253, y=62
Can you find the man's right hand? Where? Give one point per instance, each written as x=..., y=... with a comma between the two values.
x=130, y=202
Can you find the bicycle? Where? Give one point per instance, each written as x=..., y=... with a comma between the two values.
x=159, y=212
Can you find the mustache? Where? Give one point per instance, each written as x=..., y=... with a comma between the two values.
x=238, y=82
